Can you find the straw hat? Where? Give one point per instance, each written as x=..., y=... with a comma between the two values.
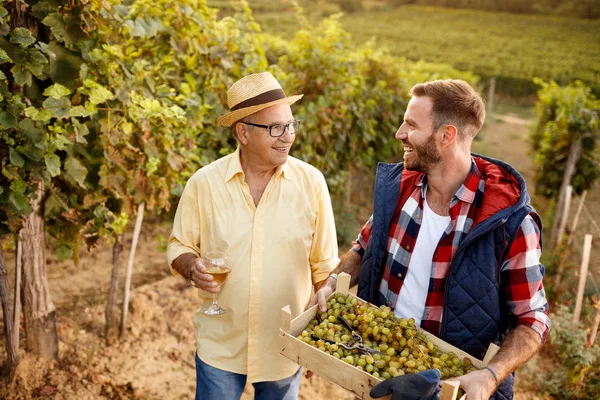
x=251, y=94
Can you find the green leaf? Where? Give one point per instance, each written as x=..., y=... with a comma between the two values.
x=57, y=91
x=15, y=158
x=63, y=252
x=4, y=56
x=81, y=130
x=44, y=48
x=38, y=114
x=36, y=58
x=30, y=131
x=22, y=37
x=79, y=111
x=100, y=95
x=21, y=75
x=76, y=170
x=7, y=120
x=60, y=142
x=52, y=164
x=19, y=200
x=2, y=76
x=3, y=12
x=18, y=186
x=59, y=107
x=34, y=152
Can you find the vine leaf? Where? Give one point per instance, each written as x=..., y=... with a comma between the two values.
x=57, y=91
x=53, y=164
x=15, y=158
x=7, y=120
x=22, y=37
x=76, y=170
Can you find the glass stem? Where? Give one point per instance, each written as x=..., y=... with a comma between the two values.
x=215, y=300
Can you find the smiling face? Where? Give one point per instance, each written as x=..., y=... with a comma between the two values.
x=421, y=151
x=258, y=147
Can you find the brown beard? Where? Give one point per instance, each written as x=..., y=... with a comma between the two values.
x=427, y=156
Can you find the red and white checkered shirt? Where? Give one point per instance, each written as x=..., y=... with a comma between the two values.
x=520, y=276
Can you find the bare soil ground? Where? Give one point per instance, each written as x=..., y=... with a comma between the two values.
x=155, y=358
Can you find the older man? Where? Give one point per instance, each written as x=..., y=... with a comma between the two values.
x=453, y=240
x=271, y=213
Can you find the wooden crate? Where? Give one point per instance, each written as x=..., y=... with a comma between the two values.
x=345, y=375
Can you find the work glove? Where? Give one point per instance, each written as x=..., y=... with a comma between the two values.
x=424, y=385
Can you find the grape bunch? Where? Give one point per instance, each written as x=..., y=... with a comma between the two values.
x=402, y=349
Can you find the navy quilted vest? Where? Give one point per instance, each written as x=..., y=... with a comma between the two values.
x=474, y=315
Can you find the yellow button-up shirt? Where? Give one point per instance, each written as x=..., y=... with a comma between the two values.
x=276, y=252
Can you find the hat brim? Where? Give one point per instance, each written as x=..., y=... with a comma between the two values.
x=233, y=116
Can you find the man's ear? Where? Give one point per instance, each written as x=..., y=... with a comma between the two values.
x=241, y=132
x=449, y=134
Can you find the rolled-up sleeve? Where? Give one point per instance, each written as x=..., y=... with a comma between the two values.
x=185, y=237
x=323, y=255
x=521, y=279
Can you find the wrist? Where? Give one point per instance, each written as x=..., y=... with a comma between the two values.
x=332, y=280
x=494, y=376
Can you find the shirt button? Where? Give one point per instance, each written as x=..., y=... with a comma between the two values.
x=400, y=275
x=407, y=247
x=255, y=279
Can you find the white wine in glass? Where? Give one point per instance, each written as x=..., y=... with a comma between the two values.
x=215, y=263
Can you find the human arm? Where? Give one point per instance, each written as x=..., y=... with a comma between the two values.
x=517, y=348
x=323, y=255
x=521, y=283
x=350, y=264
x=183, y=250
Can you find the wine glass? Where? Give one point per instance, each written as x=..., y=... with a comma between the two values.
x=215, y=263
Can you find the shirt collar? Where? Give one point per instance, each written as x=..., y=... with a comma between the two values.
x=235, y=167
x=466, y=192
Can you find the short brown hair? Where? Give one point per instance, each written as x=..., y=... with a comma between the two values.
x=454, y=102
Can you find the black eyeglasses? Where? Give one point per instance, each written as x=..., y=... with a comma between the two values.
x=277, y=130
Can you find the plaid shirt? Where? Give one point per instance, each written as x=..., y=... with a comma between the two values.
x=521, y=276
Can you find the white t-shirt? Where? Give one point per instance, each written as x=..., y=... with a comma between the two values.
x=412, y=296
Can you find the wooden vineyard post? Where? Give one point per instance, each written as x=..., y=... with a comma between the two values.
x=565, y=215
x=17, y=314
x=574, y=154
x=563, y=260
x=587, y=248
x=134, y=241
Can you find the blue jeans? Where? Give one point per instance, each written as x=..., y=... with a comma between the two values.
x=215, y=384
